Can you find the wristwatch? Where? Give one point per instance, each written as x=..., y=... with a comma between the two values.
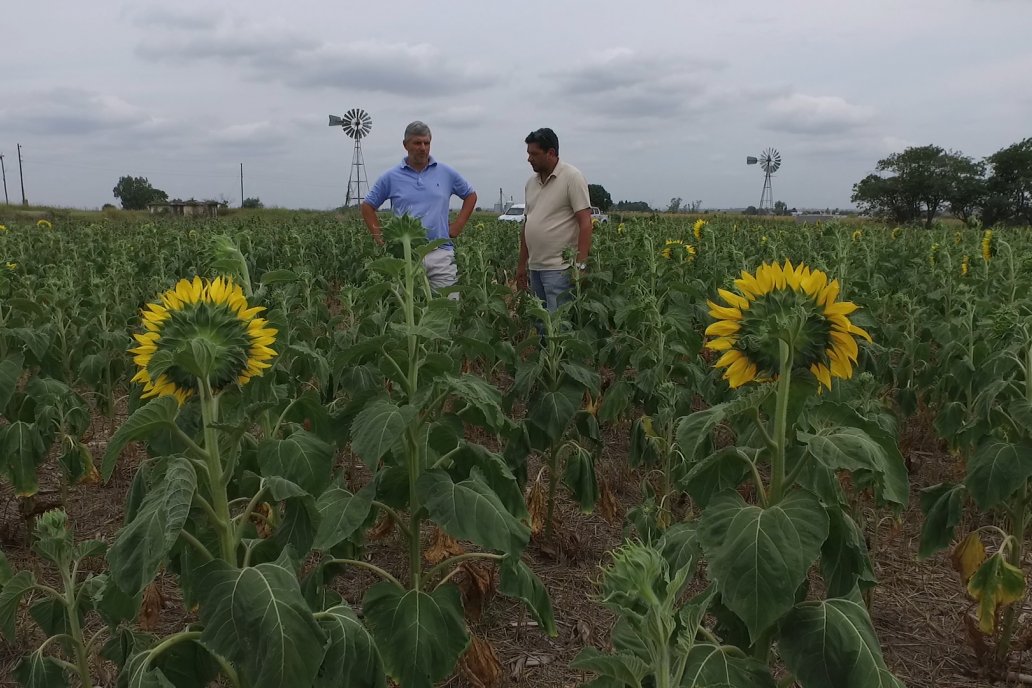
x=582, y=266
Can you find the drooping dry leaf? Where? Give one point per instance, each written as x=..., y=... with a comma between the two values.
x=480, y=665
x=967, y=556
x=976, y=638
x=478, y=587
x=151, y=606
x=262, y=519
x=441, y=547
x=537, y=506
x=381, y=529
x=996, y=584
x=607, y=506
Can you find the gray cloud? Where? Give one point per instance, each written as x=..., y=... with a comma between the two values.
x=816, y=115
x=270, y=53
x=621, y=88
x=77, y=112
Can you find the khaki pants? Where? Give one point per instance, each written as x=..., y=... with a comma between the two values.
x=441, y=270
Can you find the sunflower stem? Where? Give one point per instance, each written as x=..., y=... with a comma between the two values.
x=777, y=481
x=219, y=500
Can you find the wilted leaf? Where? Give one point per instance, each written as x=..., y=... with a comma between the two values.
x=995, y=584
x=441, y=546
x=967, y=556
x=480, y=664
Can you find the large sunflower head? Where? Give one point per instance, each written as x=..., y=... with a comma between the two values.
x=697, y=228
x=200, y=329
x=782, y=302
x=987, y=245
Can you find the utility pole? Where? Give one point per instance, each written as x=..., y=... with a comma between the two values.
x=241, y=185
x=501, y=201
x=21, y=178
x=7, y=201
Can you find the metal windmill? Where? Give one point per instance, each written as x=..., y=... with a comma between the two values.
x=356, y=123
x=770, y=161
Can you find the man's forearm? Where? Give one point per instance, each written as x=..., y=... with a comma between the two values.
x=584, y=240
x=371, y=220
x=468, y=204
x=524, y=253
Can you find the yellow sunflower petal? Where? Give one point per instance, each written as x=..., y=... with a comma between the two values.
x=722, y=328
x=728, y=358
x=720, y=343
x=733, y=299
x=723, y=312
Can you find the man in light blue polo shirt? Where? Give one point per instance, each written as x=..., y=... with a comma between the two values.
x=422, y=187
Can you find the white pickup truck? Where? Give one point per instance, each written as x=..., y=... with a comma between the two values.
x=598, y=216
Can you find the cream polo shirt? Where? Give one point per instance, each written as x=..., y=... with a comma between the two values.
x=550, y=226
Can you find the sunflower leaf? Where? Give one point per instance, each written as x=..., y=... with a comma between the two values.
x=159, y=414
x=420, y=636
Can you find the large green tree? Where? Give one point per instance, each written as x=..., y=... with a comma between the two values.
x=921, y=181
x=599, y=197
x=1009, y=187
x=136, y=192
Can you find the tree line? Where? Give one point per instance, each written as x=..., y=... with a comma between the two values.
x=925, y=181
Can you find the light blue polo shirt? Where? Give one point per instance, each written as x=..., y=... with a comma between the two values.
x=424, y=195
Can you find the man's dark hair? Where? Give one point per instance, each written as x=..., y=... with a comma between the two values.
x=545, y=138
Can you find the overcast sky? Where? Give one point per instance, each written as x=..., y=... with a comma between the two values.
x=650, y=99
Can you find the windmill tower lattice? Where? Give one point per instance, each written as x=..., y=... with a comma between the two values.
x=356, y=123
x=770, y=161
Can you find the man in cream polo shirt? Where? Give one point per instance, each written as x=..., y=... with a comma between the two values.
x=558, y=216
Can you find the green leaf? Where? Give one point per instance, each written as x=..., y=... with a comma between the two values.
x=301, y=458
x=616, y=401
x=22, y=449
x=724, y=469
x=143, y=544
x=588, y=378
x=943, y=508
x=420, y=636
x=680, y=547
x=10, y=373
x=853, y=449
x=40, y=671
x=831, y=644
x=997, y=470
x=277, y=277
x=257, y=618
x=519, y=582
x=482, y=401
x=351, y=657
x=624, y=668
x=710, y=666
x=470, y=510
x=759, y=557
x=340, y=515
x=494, y=471
x=693, y=430
x=377, y=428
x=552, y=412
x=845, y=562
x=159, y=414
x=580, y=477
x=10, y=598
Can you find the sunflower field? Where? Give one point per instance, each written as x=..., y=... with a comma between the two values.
x=260, y=451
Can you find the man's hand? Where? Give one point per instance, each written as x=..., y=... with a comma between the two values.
x=378, y=237
x=522, y=282
x=455, y=229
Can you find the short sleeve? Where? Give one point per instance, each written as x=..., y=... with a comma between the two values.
x=461, y=187
x=379, y=193
x=578, y=191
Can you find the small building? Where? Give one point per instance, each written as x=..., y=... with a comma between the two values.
x=191, y=208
